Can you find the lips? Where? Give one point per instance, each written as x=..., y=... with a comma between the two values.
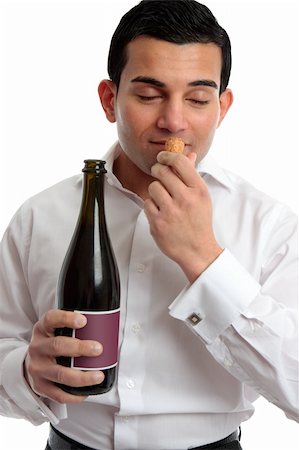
x=158, y=142
x=162, y=142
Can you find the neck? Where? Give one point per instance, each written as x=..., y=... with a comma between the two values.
x=131, y=177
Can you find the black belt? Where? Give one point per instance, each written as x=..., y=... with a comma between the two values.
x=58, y=441
x=232, y=439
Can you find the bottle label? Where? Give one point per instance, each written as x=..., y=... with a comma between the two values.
x=102, y=326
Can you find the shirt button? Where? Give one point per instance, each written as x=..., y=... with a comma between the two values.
x=125, y=419
x=130, y=384
x=140, y=268
x=136, y=327
x=228, y=362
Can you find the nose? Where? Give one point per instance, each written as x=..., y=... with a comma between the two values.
x=171, y=117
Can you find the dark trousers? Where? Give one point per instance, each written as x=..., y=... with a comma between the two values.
x=58, y=441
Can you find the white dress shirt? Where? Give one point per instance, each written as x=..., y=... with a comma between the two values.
x=192, y=358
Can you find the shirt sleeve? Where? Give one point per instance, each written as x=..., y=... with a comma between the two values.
x=17, y=319
x=15, y=393
x=249, y=325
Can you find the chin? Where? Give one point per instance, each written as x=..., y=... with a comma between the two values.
x=145, y=166
x=146, y=171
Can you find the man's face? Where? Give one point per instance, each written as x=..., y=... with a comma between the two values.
x=168, y=90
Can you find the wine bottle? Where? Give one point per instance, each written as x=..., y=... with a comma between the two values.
x=89, y=283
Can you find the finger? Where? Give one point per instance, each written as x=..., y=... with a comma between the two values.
x=159, y=195
x=69, y=346
x=192, y=157
x=58, y=318
x=50, y=390
x=73, y=377
x=150, y=208
x=182, y=165
x=167, y=177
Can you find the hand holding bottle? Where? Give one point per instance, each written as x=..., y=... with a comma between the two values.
x=40, y=367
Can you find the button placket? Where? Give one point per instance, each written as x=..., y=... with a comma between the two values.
x=132, y=362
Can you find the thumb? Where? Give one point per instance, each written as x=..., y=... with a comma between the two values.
x=192, y=157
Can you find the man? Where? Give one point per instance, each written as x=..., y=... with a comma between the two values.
x=207, y=263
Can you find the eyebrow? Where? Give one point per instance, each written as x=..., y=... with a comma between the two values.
x=160, y=84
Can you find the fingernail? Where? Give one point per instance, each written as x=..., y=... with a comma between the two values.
x=97, y=348
x=98, y=377
x=80, y=321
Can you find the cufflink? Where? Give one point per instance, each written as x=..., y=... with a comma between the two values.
x=194, y=318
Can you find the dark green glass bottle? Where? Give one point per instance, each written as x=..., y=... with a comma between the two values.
x=89, y=283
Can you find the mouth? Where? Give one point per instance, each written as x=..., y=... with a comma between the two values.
x=161, y=143
x=158, y=143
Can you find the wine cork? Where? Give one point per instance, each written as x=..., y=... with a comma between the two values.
x=174, y=145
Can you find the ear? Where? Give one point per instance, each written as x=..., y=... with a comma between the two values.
x=226, y=100
x=107, y=93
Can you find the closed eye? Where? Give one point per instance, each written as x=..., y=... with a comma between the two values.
x=147, y=98
x=198, y=102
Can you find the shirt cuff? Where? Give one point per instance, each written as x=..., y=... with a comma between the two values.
x=219, y=295
x=17, y=388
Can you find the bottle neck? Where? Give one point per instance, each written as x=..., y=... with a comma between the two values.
x=93, y=189
x=93, y=195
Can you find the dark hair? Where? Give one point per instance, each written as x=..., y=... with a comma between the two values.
x=177, y=21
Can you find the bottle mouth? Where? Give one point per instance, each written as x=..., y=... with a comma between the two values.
x=94, y=166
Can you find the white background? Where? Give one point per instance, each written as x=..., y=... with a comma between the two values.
x=55, y=53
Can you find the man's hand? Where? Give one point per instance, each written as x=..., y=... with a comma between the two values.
x=179, y=211
x=41, y=369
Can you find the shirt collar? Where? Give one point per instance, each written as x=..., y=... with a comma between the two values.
x=207, y=167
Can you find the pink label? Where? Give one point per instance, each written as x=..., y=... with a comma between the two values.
x=102, y=326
